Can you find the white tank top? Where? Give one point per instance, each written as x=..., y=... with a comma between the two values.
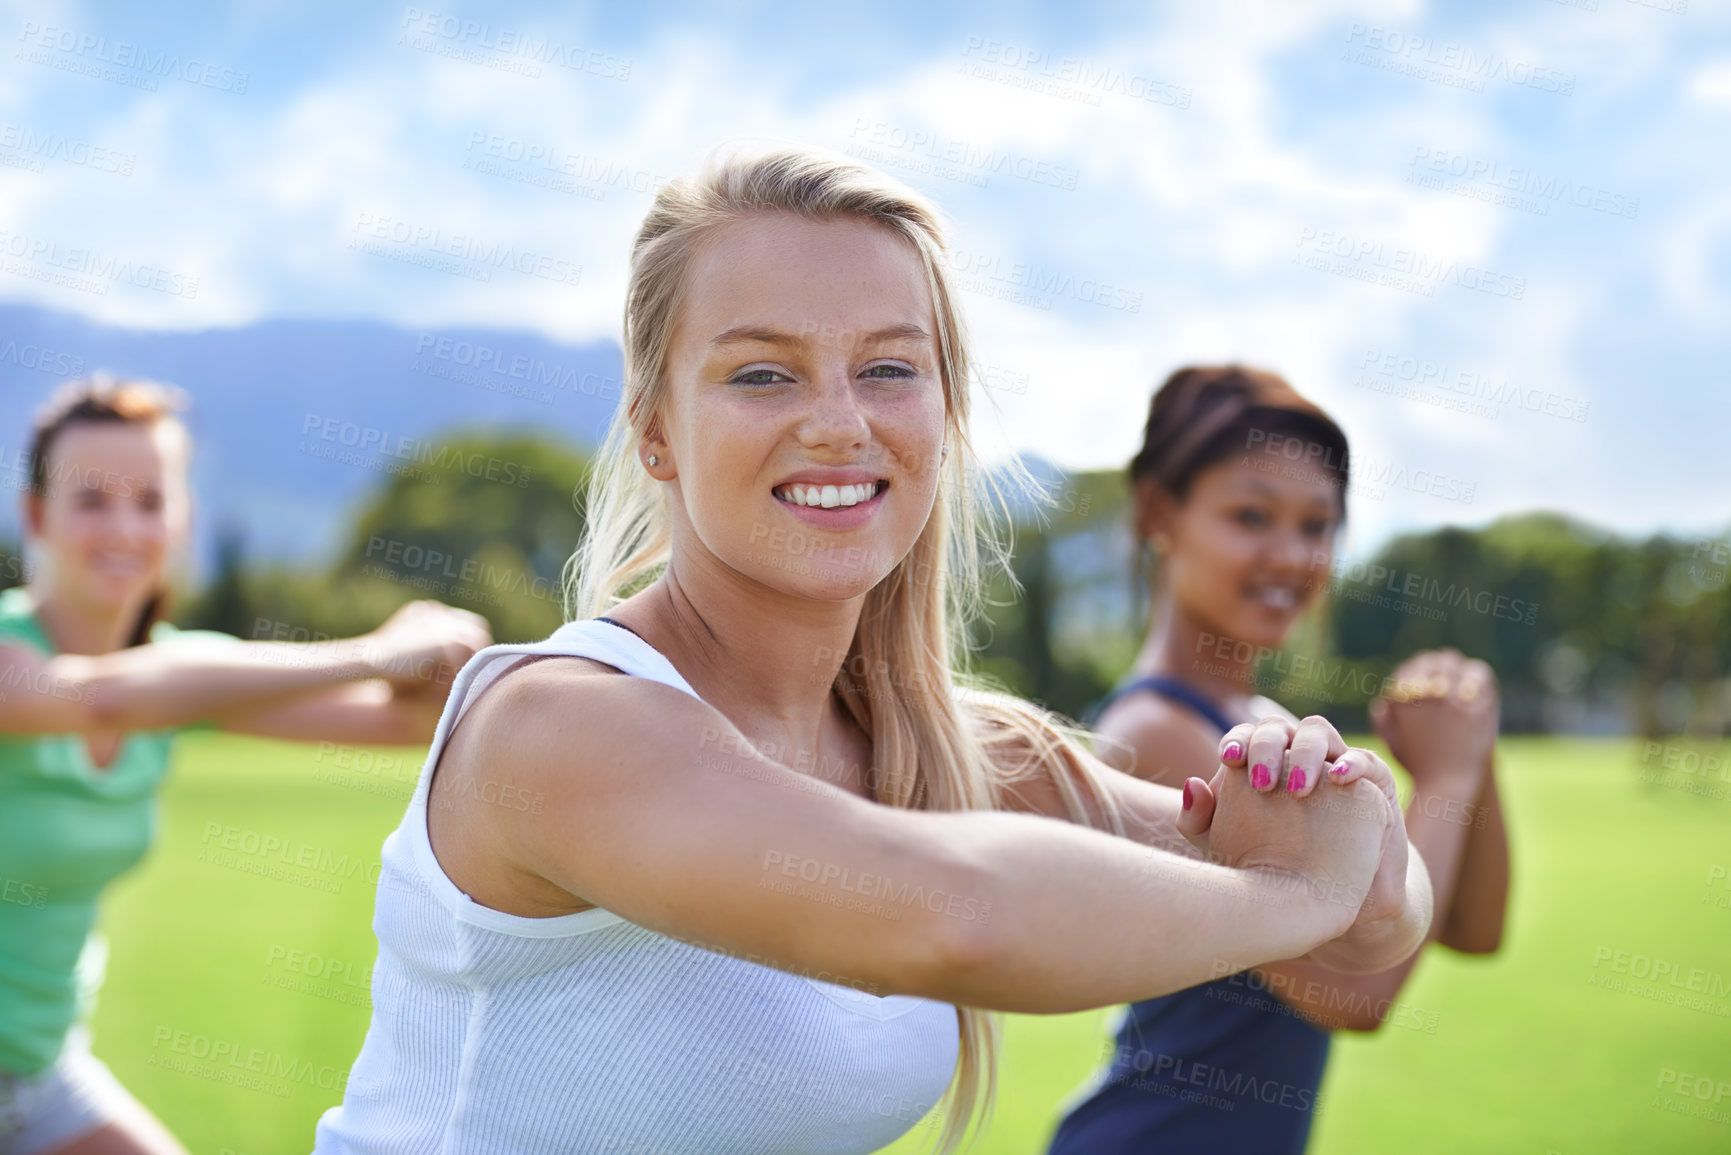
x=492, y=1032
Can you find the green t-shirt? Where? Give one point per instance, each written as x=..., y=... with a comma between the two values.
x=67, y=829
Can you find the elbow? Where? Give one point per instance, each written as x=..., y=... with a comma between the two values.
x=102, y=712
x=106, y=706
x=1364, y=1013
x=1487, y=941
x=959, y=957
x=955, y=948
x=1363, y=1024
x=1477, y=931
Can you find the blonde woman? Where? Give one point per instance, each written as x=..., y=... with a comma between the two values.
x=732, y=863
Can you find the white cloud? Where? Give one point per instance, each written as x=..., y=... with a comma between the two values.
x=1711, y=84
x=1198, y=208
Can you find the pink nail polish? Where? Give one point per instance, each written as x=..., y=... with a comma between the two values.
x=1295, y=781
x=1233, y=752
x=1260, y=777
x=1187, y=798
x=1340, y=769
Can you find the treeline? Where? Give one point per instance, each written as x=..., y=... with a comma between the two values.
x=492, y=544
x=1588, y=631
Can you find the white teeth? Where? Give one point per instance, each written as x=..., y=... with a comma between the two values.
x=112, y=561
x=828, y=496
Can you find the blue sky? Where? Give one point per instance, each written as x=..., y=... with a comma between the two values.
x=1493, y=239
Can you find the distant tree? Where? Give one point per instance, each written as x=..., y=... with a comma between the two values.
x=12, y=569
x=484, y=523
x=1584, y=628
x=224, y=604
x=491, y=532
x=1057, y=633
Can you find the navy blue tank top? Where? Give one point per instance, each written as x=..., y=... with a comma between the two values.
x=1221, y=1067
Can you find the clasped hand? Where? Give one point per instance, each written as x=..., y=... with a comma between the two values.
x=1297, y=801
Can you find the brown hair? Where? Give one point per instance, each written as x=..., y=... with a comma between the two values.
x=1204, y=414
x=103, y=398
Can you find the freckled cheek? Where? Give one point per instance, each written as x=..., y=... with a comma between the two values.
x=916, y=478
x=913, y=437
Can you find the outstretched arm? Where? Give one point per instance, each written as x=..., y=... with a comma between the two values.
x=1475, y=918
x=1441, y=722
x=171, y=684
x=1152, y=739
x=647, y=789
x=1334, y=1000
x=370, y=713
x=1396, y=914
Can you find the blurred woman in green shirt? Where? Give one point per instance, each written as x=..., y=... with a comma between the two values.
x=94, y=686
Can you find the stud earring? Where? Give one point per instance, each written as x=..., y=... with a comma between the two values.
x=944, y=449
x=654, y=460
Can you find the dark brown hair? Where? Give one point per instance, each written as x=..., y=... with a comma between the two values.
x=102, y=398
x=1204, y=414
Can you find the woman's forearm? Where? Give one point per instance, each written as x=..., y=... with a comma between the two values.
x=367, y=713
x=152, y=686
x=1082, y=919
x=647, y=789
x=1329, y=988
x=1473, y=922
x=1371, y=947
x=1368, y=946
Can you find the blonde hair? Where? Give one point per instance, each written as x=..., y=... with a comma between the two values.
x=940, y=739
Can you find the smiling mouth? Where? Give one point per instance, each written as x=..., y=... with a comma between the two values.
x=1282, y=598
x=121, y=563
x=829, y=496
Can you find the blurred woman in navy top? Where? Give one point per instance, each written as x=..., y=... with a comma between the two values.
x=1239, y=490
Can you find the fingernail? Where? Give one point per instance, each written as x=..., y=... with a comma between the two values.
x=1295, y=780
x=1233, y=752
x=1187, y=798
x=1340, y=769
x=1259, y=776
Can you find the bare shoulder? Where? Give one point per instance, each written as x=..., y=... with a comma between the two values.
x=549, y=711
x=1156, y=739
x=529, y=682
x=544, y=757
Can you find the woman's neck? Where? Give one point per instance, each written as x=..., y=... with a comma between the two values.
x=78, y=628
x=1181, y=647
x=765, y=660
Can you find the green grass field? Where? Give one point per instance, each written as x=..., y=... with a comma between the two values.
x=1561, y=1043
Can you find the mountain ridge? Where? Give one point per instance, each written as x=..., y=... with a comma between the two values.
x=292, y=418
